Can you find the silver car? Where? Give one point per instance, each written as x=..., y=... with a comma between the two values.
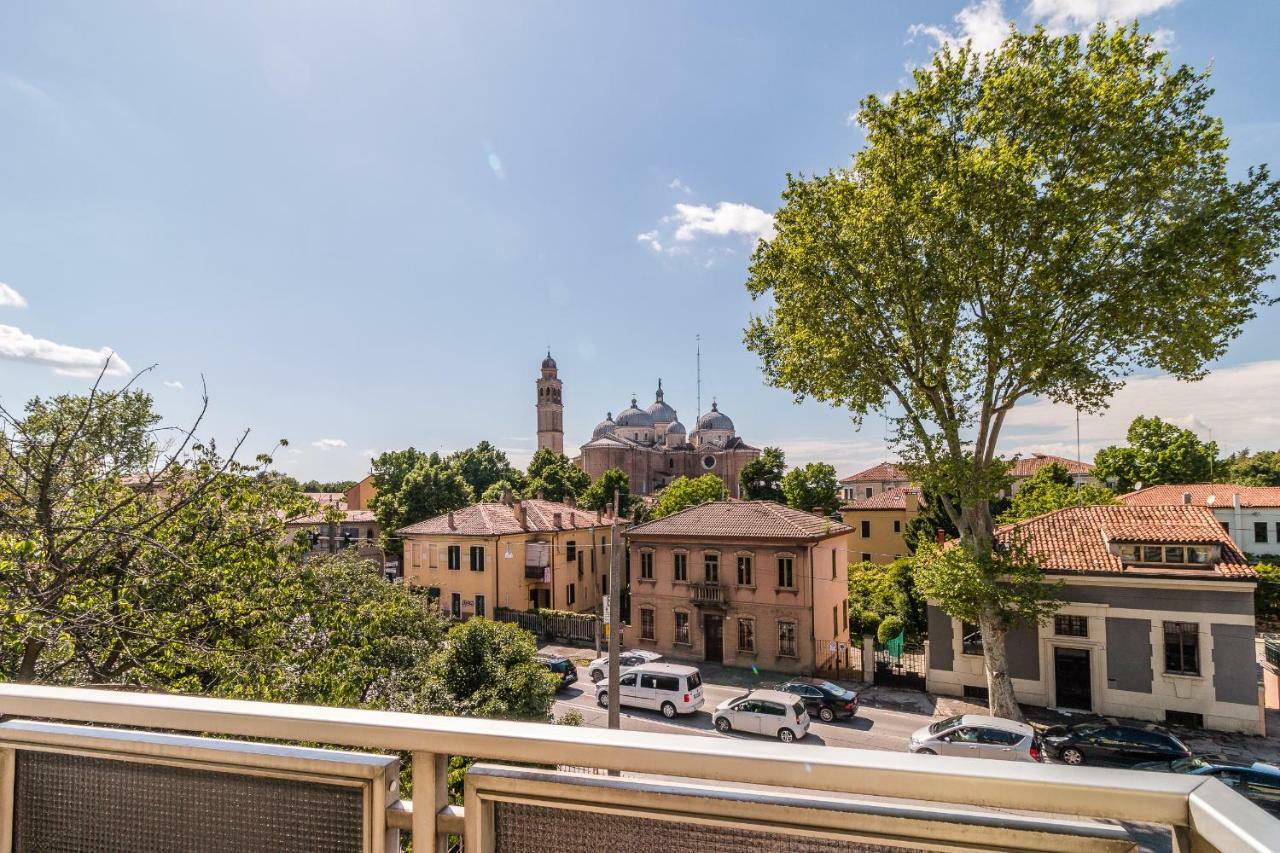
x=771, y=713
x=977, y=736
x=599, y=668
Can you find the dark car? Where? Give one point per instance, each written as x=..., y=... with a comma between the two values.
x=1108, y=742
x=1255, y=781
x=562, y=667
x=824, y=700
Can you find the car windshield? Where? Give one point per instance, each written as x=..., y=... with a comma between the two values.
x=798, y=708
x=560, y=666
x=834, y=690
x=695, y=681
x=1188, y=765
x=943, y=725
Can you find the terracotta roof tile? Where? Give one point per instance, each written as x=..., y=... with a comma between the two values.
x=1028, y=465
x=888, y=499
x=741, y=520
x=351, y=515
x=885, y=471
x=1075, y=539
x=1219, y=495
x=495, y=519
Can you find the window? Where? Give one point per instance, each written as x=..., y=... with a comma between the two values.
x=455, y=604
x=477, y=558
x=745, y=573
x=682, y=628
x=866, y=528
x=368, y=535
x=708, y=462
x=746, y=635
x=866, y=557
x=646, y=565
x=571, y=550
x=1278, y=531
x=433, y=593
x=1165, y=554
x=833, y=563
x=480, y=605
x=835, y=621
x=1226, y=527
x=455, y=557
x=646, y=624
x=1071, y=626
x=1259, y=531
x=970, y=639
x=681, y=565
x=787, y=639
x=1182, y=648
x=844, y=614
x=669, y=683
x=897, y=525
x=431, y=556
x=711, y=567
x=870, y=491
x=571, y=594
x=786, y=573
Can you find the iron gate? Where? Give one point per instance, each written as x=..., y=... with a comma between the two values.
x=901, y=670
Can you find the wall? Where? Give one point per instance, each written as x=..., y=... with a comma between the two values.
x=858, y=490
x=1240, y=525
x=359, y=495
x=884, y=545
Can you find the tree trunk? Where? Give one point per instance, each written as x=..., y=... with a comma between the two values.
x=30, y=656
x=1001, y=700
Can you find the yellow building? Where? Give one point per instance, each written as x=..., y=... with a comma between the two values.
x=359, y=495
x=515, y=554
x=878, y=523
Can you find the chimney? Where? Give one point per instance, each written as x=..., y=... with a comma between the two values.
x=506, y=495
x=570, y=501
x=819, y=512
x=1235, y=500
x=940, y=536
x=518, y=510
x=542, y=496
x=557, y=520
x=1137, y=487
x=451, y=525
x=597, y=515
x=1186, y=498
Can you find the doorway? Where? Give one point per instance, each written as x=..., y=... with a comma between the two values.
x=1072, y=679
x=713, y=630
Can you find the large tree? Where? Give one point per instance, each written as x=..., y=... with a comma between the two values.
x=761, y=478
x=600, y=494
x=413, y=486
x=685, y=492
x=1032, y=223
x=490, y=669
x=1158, y=452
x=812, y=486
x=554, y=476
x=1251, y=469
x=483, y=466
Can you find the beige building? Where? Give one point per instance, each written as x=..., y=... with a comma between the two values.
x=877, y=524
x=355, y=529
x=746, y=583
x=873, y=481
x=1157, y=621
x=359, y=495
x=1025, y=467
x=516, y=554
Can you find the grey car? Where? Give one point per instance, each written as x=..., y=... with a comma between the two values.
x=977, y=736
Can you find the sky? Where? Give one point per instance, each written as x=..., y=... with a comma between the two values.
x=360, y=226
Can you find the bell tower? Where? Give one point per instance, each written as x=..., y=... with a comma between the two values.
x=550, y=407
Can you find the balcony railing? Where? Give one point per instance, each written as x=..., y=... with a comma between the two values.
x=708, y=594
x=797, y=793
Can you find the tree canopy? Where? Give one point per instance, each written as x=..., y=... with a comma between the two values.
x=483, y=466
x=599, y=495
x=1158, y=452
x=812, y=486
x=761, y=478
x=1052, y=488
x=982, y=249
x=490, y=669
x=1251, y=469
x=686, y=492
x=412, y=486
x=555, y=476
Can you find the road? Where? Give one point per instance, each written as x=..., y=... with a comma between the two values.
x=872, y=728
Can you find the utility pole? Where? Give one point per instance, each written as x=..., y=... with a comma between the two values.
x=615, y=608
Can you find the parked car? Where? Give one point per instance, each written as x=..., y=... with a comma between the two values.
x=822, y=699
x=666, y=687
x=772, y=713
x=978, y=736
x=562, y=667
x=1109, y=742
x=1256, y=781
x=599, y=668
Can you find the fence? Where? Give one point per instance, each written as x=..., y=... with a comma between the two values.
x=565, y=628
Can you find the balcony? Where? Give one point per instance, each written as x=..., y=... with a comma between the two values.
x=150, y=791
x=707, y=594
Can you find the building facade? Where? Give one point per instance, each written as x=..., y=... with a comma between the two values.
x=1157, y=621
x=873, y=481
x=1251, y=514
x=356, y=529
x=550, y=407
x=745, y=583
x=877, y=524
x=515, y=554
x=1024, y=467
x=359, y=495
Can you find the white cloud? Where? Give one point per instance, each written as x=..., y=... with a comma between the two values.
x=1063, y=15
x=329, y=443
x=26, y=88
x=847, y=456
x=677, y=184
x=651, y=239
x=983, y=23
x=17, y=345
x=725, y=218
x=495, y=162
x=11, y=298
x=175, y=384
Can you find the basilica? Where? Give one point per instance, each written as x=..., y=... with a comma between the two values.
x=650, y=444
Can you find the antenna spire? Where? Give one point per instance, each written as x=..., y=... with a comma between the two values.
x=698, y=338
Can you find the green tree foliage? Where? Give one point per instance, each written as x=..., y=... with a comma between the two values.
x=484, y=466
x=812, y=486
x=600, y=494
x=982, y=249
x=931, y=518
x=878, y=591
x=761, y=478
x=1158, y=452
x=413, y=486
x=326, y=486
x=1266, y=599
x=1052, y=488
x=1251, y=469
x=686, y=492
x=890, y=626
x=555, y=476
x=490, y=669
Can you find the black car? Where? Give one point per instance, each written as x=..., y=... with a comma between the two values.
x=1117, y=744
x=562, y=667
x=1255, y=781
x=824, y=700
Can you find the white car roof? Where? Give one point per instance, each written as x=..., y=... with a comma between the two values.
x=774, y=696
x=996, y=723
x=667, y=668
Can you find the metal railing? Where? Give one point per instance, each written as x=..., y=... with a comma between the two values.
x=708, y=593
x=1202, y=810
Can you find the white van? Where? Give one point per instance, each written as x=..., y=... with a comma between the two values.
x=666, y=687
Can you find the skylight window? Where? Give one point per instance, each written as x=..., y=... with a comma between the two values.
x=1165, y=555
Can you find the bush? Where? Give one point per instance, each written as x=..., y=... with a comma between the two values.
x=1267, y=597
x=569, y=718
x=868, y=622
x=565, y=614
x=890, y=627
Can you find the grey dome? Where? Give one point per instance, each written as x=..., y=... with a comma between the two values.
x=715, y=419
x=660, y=411
x=675, y=426
x=605, y=427
x=633, y=417
x=549, y=362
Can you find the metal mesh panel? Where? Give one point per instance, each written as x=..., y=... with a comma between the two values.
x=524, y=828
x=94, y=805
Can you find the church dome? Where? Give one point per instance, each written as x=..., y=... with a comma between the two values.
x=659, y=410
x=605, y=427
x=675, y=426
x=634, y=417
x=549, y=363
x=715, y=419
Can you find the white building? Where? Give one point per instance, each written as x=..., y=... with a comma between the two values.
x=1251, y=514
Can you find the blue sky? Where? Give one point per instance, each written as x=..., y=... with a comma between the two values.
x=363, y=224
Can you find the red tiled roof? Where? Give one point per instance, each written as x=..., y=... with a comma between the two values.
x=1223, y=495
x=884, y=472
x=895, y=498
x=741, y=520
x=496, y=519
x=1028, y=465
x=335, y=499
x=349, y=515
x=1075, y=539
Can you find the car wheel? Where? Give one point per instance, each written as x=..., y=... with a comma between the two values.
x=596, y=676
x=1072, y=756
x=826, y=714
x=602, y=698
x=786, y=735
x=723, y=725
x=925, y=752
x=668, y=710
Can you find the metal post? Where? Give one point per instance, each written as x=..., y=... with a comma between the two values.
x=615, y=607
x=430, y=794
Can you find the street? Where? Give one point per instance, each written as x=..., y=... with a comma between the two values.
x=871, y=728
